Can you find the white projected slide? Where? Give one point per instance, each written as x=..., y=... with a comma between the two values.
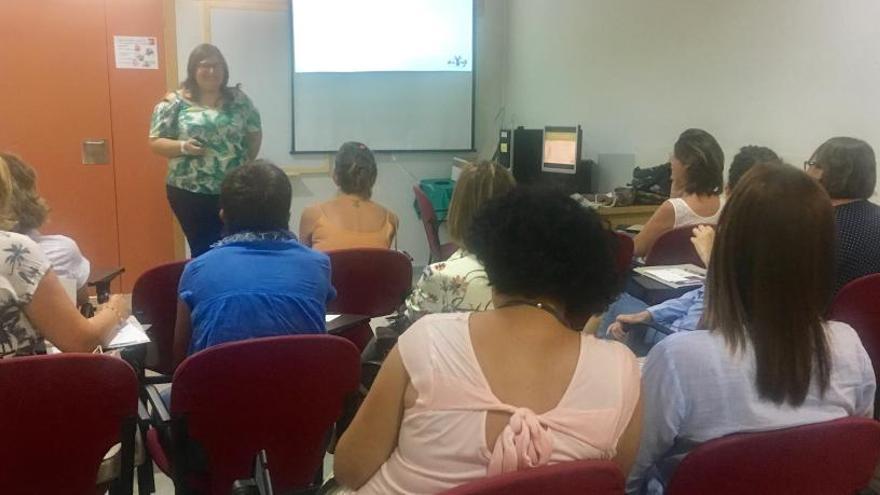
x=382, y=35
x=394, y=74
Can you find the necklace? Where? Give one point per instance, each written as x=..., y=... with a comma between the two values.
x=539, y=305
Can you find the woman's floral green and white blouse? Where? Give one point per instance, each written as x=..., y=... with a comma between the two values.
x=23, y=267
x=222, y=130
x=456, y=285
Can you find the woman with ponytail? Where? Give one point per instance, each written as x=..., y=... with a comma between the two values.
x=352, y=219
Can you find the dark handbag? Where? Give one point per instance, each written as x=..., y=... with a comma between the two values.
x=652, y=184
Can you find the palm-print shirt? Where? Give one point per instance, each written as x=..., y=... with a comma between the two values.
x=222, y=130
x=456, y=285
x=22, y=269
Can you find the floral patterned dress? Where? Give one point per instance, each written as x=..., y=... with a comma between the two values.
x=23, y=267
x=222, y=130
x=456, y=285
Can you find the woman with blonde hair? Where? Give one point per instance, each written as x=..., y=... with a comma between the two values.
x=459, y=284
x=34, y=306
x=31, y=212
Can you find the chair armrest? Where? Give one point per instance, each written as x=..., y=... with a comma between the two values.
x=161, y=412
x=100, y=279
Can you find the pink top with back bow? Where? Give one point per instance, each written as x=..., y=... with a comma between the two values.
x=442, y=441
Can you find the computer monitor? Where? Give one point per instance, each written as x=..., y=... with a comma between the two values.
x=561, y=150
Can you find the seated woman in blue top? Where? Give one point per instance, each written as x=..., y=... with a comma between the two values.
x=258, y=281
x=770, y=359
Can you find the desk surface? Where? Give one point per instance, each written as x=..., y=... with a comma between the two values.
x=627, y=210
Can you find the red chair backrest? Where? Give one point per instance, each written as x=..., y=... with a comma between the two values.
x=819, y=459
x=858, y=304
x=429, y=220
x=369, y=281
x=154, y=301
x=59, y=415
x=674, y=248
x=281, y=394
x=565, y=478
x=623, y=255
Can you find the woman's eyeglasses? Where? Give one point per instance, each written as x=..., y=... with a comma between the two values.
x=810, y=163
x=209, y=66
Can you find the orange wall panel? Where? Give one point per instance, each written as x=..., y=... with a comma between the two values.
x=54, y=94
x=145, y=222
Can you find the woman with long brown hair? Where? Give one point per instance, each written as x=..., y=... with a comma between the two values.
x=205, y=129
x=770, y=360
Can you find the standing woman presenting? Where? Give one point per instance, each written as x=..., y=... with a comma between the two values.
x=205, y=129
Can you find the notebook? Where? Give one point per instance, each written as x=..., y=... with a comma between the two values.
x=675, y=276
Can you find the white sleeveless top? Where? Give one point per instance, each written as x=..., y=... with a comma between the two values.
x=442, y=439
x=685, y=216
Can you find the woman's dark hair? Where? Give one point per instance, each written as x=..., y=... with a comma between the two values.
x=704, y=159
x=256, y=197
x=200, y=53
x=849, y=168
x=355, y=169
x=539, y=243
x=28, y=207
x=770, y=279
x=748, y=157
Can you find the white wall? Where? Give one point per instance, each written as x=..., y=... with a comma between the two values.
x=397, y=171
x=782, y=73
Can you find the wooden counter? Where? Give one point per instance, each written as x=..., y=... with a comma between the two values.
x=627, y=215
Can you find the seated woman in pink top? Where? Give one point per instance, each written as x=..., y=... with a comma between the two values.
x=469, y=395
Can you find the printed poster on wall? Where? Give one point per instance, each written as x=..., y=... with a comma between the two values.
x=136, y=52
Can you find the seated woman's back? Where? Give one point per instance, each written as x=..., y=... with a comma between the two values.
x=350, y=220
x=696, y=209
x=551, y=404
x=847, y=169
x=468, y=395
x=697, y=164
x=459, y=283
x=770, y=360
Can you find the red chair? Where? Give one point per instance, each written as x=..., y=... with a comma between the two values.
x=154, y=301
x=369, y=282
x=623, y=255
x=59, y=417
x=439, y=252
x=858, y=304
x=565, y=478
x=819, y=459
x=674, y=248
x=278, y=394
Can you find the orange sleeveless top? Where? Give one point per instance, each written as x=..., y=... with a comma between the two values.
x=328, y=236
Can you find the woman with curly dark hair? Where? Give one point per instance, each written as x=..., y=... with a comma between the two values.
x=468, y=395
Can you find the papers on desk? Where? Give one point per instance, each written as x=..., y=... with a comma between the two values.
x=132, y=333
x=329, y=318
x=675, y=276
